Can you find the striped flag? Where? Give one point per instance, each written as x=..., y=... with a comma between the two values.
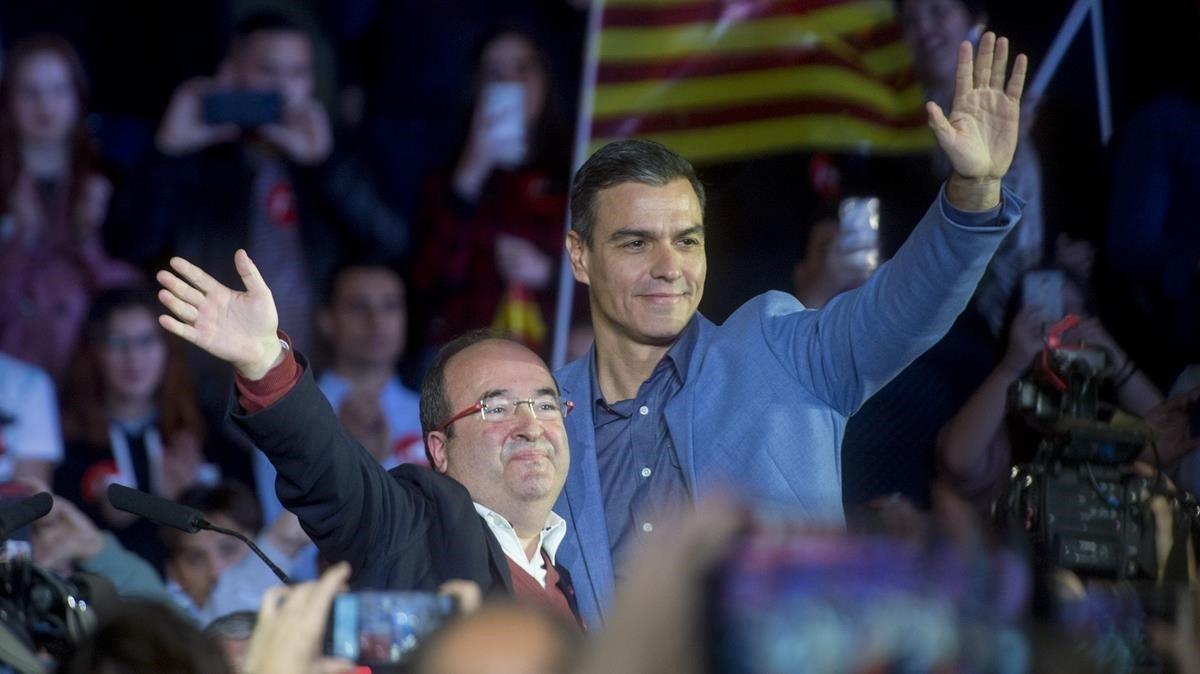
x=721, y=80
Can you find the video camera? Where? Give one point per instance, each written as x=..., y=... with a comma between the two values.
x=1080, y=503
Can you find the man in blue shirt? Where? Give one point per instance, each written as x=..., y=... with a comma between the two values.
x=672, y=407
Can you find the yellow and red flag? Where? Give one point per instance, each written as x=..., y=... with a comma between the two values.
x=722, y=80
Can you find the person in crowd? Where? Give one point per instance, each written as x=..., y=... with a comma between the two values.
x=66, y=541
x=210, y=574
x=142, y=637
x=500, y=638
x=365, y=322
x=933, y=30
x=233, y=632
x=30, y=437
x=978, y=446
x=496, y=220
x=831, y=264
x=493, y=424
x=278, y=189
x=669, y=400
x=53, y=200
x=129, y=416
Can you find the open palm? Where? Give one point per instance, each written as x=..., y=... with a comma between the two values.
x=238, y=327
x=980, y=135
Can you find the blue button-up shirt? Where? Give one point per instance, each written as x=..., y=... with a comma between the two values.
x=640, y=472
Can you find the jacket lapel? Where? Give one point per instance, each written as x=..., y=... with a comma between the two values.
x=585, y=550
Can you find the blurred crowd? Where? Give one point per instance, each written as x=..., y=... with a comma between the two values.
x=411, y=184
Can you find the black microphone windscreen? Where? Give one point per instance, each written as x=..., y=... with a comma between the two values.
x=155, y=508
x=25, y=511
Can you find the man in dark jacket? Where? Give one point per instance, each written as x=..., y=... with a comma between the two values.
x=493, y=424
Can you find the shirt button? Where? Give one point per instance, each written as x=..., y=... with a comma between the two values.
x=644, y=410
x=645, y=472
x=647, y=527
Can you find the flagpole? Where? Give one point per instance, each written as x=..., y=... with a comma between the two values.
x=1100, y=60
x=583, y=135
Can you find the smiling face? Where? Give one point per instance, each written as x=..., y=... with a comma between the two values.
x=646, y=264
x=505, y=465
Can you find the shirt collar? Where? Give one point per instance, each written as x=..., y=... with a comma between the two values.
x=553, y=532
x=679, y=356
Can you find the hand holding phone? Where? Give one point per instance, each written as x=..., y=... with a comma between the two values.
x=504, y=122
x=383, y=628
x=183, y=129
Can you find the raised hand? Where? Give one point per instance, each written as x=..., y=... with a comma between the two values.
x=183, y=129
x=238, y=327
x=305, y=135
x=981, y=133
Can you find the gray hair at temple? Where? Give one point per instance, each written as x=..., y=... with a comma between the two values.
x=625, y=161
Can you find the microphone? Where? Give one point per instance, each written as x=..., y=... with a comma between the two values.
x=23, y=512
x=178, y=516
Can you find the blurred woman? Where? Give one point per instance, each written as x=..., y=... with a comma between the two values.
x=53, y=200
x=495, y=222
x=129, y=416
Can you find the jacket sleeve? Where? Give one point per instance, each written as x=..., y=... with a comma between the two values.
x=352, y=201
x=347, y=503
x=863, y=338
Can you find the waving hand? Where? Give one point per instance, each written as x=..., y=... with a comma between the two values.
x=980, y=135
x=238, y=327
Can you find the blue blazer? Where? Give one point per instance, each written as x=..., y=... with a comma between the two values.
x=765, y=401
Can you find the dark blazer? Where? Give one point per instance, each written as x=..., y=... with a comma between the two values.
x=410, y=529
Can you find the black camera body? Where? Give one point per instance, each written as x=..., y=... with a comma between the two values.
x=1080, y=504
x=44, y=612
x=1092, y=519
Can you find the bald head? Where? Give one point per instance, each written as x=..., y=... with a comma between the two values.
x=500, y=639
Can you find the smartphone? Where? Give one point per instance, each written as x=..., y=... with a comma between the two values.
x=383, y=628
x=247, y=109
x=804, y=602
x=1043, y=290
x=504, y=108
x=858, y=232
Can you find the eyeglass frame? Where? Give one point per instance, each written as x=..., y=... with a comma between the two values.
x=479, y=407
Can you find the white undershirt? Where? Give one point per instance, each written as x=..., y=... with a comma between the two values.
x=549, y=539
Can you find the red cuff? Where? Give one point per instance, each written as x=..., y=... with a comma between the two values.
x=255, y=396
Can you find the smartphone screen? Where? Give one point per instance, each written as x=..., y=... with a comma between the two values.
x=378, y=628
x=858, y=231
x=504, y=108
x=18, y=543
x=834, y=603
x=247, y=109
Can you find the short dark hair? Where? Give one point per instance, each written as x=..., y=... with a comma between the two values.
x=229, y=498
x=435, y=404
x=145, y=636
x=330, y=288
x=236, y=626
x=269, y=21
x=625, y=161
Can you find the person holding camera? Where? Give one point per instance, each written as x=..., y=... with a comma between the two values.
x=494, y=434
